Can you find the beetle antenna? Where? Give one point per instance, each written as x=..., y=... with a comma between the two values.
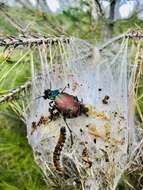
x=67, y=86
x=39, y=97
x=50, y=85
x=64, y=89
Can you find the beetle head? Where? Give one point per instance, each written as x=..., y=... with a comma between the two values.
x=47, y=94
x=51, y=94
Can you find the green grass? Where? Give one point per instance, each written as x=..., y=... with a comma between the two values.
x=18, y=171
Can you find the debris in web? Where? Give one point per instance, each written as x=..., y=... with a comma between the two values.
x=104, y=138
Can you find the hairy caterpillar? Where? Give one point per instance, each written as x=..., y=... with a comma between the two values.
x=58, y=150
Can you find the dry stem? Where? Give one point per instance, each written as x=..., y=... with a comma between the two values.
x=13, y=93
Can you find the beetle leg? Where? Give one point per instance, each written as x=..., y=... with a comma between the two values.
x=84, y=110
x=76, y=98
x=54, y=114
x=51, y=104
x=71, y=136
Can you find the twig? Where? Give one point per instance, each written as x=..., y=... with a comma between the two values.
x=99, y=6
x=13, y=93
x=135, y=34
x=37, y=40
x=13, y=41
x=112, y=41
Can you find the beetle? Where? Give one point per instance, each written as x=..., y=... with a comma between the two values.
x=64, y=104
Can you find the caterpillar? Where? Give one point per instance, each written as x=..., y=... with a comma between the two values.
x=58, y=149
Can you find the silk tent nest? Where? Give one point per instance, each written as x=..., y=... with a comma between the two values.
x=106, y=141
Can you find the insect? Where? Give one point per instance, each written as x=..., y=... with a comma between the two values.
x=58, y=150
x=65, y=104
